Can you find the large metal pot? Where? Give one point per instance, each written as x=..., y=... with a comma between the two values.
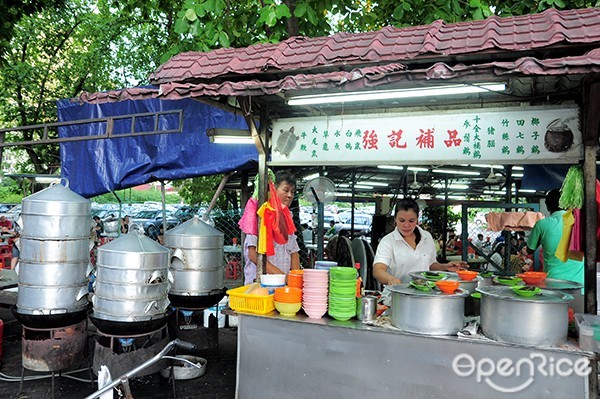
x=429, y=313
x=56, y=213
x=54, y=251
x=197, y=262
x=568, y=287
x=131, y=280
x=539, y=321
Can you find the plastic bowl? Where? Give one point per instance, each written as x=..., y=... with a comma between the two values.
x=523, y=290
x=447, y=286
x=509, y=280
x=533, y=277
x=466, y=275
x=272, y=280
x=287, y=309
x=433, y=276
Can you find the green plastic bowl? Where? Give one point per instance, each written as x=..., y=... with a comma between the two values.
x=509, y=280
x=433, y=276
x=526, y=290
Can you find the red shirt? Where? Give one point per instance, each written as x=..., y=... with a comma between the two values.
x=5, y=223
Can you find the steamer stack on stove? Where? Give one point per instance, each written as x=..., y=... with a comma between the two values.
x=130, y=303
x=52, y=299
x=197, y=268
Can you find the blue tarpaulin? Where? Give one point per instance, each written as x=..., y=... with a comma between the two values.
x=95, y=167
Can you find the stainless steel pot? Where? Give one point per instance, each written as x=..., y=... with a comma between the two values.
x=429, y=313
x=56, y=213
x=54, y=251
x=568, y=287
x=53, y=274
x=133, y=251
x=540, y=320
x=41, y=300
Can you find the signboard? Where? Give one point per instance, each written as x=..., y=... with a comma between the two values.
x=501, y=135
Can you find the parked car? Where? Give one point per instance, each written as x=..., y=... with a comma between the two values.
x=150, y=222
x=362, y=224
x=13, y=213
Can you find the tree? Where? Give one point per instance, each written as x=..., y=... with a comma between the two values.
x=84, y=45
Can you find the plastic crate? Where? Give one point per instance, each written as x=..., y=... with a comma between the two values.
x=250, y=303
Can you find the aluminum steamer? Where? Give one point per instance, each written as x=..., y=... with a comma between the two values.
x=197, y=264
x=131, y=287
x=54, y=258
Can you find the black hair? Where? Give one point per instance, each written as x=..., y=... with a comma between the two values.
x=96, y=217
x=552, y=200
x=284, y=176
x=407, y=204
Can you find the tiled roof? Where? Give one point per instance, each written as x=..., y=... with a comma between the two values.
x=428, y=43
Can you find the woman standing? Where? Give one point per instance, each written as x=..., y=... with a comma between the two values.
x=407, y=249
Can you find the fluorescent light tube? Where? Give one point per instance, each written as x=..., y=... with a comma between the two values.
x=396, y=94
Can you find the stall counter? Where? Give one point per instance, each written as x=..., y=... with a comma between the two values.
x=300, y=357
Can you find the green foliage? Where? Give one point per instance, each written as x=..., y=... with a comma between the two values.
x=200, y=190
x=433, y=220
x=130, y=196
x=10, y=192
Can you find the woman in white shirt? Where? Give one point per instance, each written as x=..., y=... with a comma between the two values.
x=407, y=249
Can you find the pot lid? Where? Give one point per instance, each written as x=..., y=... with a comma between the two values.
x=406, y=289
x=194, y=228
x=430, y=275
x=556, y=284
x=55, y=194
x=134, y=242
x=506, y=292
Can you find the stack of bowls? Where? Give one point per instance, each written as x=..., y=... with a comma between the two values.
x=296, y=278
x=288, y=300
x=314, y=292
x=272, y=281
x=342, y=292
x=324, y=264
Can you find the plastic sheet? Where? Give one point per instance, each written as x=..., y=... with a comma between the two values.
x=96, y=167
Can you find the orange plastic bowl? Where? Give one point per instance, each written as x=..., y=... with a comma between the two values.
x=288, y=294
x=533, y=277
x=466, y=275
x=447, y=286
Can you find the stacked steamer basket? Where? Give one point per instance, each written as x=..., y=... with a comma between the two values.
x=54, y=258
x=342, y=292
x=52, y=297
x=314, y=292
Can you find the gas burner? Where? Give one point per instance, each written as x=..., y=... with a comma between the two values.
x=187, y=324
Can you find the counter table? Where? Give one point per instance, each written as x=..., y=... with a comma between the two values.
x=299, y=357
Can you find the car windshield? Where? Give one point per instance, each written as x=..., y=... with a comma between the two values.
x=146, y=215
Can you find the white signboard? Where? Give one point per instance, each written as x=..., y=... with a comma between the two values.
x=510, y=135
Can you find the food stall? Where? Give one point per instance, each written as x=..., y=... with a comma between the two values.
x=506, y=122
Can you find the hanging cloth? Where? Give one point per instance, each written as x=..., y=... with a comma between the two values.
x=283, y=224
x=598, y=218
x=265, y=233
x=571, y=192
x=562, y=251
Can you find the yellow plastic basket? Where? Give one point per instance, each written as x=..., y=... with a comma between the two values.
x=250, y=303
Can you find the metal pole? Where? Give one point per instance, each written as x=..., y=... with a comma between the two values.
x=164, y=208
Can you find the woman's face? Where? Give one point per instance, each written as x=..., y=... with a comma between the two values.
x=406, y=221
x=285, y=192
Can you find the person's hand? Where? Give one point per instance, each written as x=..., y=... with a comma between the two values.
x=457, y=265
x=394, y=281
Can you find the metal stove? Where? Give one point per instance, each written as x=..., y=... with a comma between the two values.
x=121, y=353
x=53, y=349
x=187, y=324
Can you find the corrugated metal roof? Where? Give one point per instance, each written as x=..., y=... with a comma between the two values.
x=432, y=42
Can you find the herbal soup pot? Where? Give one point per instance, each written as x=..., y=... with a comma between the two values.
x=427, y=312
x=541, y=320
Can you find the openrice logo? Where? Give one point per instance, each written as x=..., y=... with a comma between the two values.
x=536, y=365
